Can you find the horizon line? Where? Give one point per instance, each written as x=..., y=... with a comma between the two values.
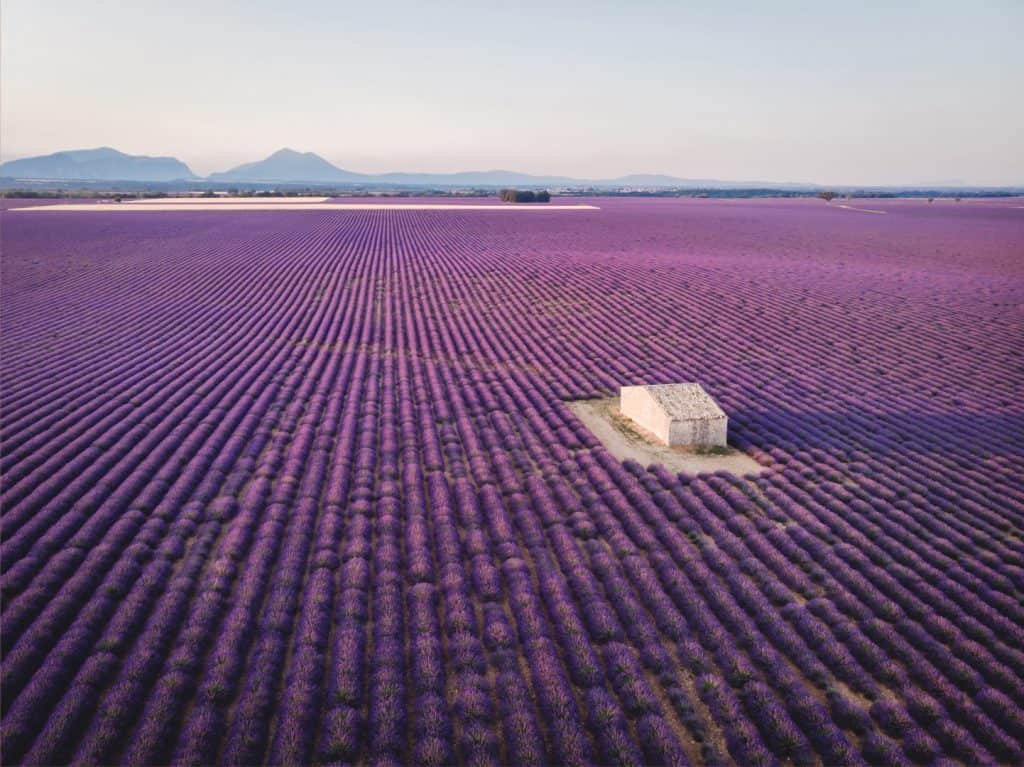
x=752, y=183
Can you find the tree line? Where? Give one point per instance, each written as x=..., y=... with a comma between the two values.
x=519, y=195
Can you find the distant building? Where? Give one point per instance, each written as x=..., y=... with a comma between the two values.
x=678, y=415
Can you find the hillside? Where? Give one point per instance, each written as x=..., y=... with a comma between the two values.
x=102, y=164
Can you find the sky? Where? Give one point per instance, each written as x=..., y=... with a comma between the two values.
x=902, y=92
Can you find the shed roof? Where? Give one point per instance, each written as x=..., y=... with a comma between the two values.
x=684, y=401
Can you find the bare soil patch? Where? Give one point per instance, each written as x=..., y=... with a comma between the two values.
x=625, y=440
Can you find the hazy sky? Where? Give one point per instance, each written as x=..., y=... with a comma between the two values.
x=896, y=91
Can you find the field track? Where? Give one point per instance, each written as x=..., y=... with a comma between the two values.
x=234, y=207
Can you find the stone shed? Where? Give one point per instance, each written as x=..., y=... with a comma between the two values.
x=678, y=415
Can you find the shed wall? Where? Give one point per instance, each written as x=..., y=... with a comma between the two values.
x=709, y=429
x=639, y=406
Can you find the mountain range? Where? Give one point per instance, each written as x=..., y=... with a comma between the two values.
x=286, y=166
x=103, y=164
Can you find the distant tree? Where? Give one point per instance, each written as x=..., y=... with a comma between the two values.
x=827, y=196
x=517, y=195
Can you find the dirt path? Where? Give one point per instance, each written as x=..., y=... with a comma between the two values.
x=202, y=205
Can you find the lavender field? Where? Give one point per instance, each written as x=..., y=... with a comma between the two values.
x=304, y=487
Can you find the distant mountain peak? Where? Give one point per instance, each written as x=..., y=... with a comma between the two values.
x=289, y=166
